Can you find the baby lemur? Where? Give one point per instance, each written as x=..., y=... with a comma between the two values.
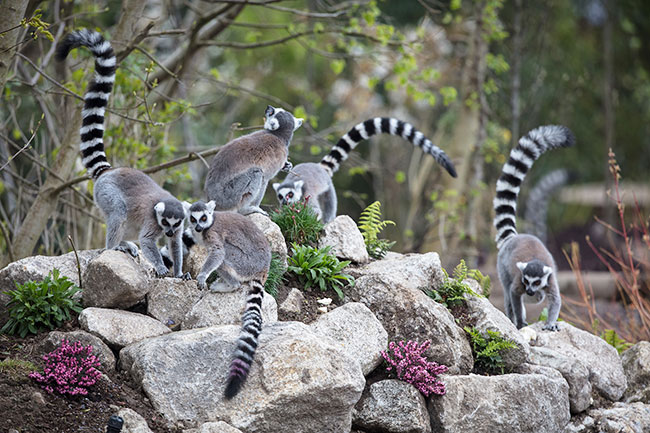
x=133, y=204
x=314, y=180
x=241, y=255
x=240, y=172
x=524, y=264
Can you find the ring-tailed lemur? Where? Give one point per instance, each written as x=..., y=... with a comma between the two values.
x=240, y=172
x=524, y=264
x=539, y=198
x=133, y=204
x=241, y=254
x=314, y=180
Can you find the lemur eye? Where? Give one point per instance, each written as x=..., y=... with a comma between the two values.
x=536, y=283
x=165, y=223
x=192, y=220
x=177, y=224
x=204, y=218
x=280, y=196
x=290, y=195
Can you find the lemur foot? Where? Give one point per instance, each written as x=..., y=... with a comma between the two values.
x=162, y=271
x=252, y=209
x=551, y=327
x=127, y=248
x=522, y=325
x=186, y=276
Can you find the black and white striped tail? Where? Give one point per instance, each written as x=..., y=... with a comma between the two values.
x=188, y=243
x=539, y=198
x=247, y=342
x=96, y=97
x=521, y=159
x=383, y=125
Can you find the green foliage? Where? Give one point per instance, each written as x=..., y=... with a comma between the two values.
x=298, y=222
x=371, y=224
x=610, y=336
x=37, y=306
x=40, y=26
x=488, y=350
x=318, y=268
x=276, y=271
x=453, y=290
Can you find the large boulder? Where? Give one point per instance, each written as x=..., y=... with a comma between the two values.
x=357, y=332
x=120, y=328
x=115, y=280
x=618, y=418
x=392, y=406
x=636, y=363
x=510, y=403
x=170, y=299
x=215, y=309
x=346, y=240
x=103, y=353
x=601, y=359
x=214, y=427
x=392, y=289
x=273, y=234
x=299, y=381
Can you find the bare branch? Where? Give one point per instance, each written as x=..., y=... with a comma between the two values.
x=26, y=144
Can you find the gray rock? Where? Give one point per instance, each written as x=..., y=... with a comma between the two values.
x=194, y=261
x=392, y=289
x=115, y=280
x=507, y=403
x=100, y=349
x=601, y=359
x=357, y=332
x=120, y=328
x=293, y=302
x=133, y=422
x=215, y=309
x=299, y=382
x=38, y=399
x=636, y=363
x=392, y=406
x=574, y=372
x=619, y=418
x=214, y=427
x=346, y=240
x=487, y=317
x=273, y=234
x=170, y=299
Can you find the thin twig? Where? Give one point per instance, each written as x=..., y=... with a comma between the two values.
x=74, y=248
x=26, y=144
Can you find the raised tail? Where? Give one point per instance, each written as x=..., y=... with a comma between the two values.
x=539, y=198
x=383, y=125
x=247, y=342
x=96, y=97
x=521, y=159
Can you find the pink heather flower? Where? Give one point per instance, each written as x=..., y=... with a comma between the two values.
x=411, y=367
x=69, y=369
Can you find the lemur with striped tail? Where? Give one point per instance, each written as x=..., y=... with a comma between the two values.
x=524, y=264
x=133, y=204
x=241, y=255
x=314, y=180
x=539, y=198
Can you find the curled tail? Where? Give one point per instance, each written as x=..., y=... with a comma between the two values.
x=539, y=198
x=383, y=125
x=96, y=97
x=247, y=342
x=521, y=159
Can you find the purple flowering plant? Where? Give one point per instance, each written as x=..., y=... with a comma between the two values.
x=69, y=369
x=408, y=363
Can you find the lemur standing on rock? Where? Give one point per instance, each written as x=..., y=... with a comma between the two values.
x=524, y=264
x=133, y=204
x=241, y=255
x=239, y=173
x=314, y=180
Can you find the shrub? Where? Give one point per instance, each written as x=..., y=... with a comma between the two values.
x=488, y=350
x=37, y=306
x=69, y=369
x=453, y=290
x=276, y=271
x=370, y=224
x=611, y=337
x=317, y=267
x=298, y=222
x=410, y=366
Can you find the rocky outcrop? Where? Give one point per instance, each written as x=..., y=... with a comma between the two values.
x=619, y=418
x=214, y=427
x=346, y=240
x=636, y=363
x=292, y=303
x=273, y=234
x=120, y=328
x=214, y=309
x=100, y=349
x=169, y=299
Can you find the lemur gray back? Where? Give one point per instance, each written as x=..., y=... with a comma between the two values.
x=539, y=199
x=521, y=159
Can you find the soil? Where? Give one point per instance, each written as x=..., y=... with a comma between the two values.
x=310, y=305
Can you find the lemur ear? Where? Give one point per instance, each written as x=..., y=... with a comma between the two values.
x=186, y=206
x=159, y=207
x=298, y=184
x=297, y=122
x=547, y=270
x=521, y=266
x=276, y=185
x=269, y=111
x=211, y=205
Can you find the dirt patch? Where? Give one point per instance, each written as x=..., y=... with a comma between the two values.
x=309, y=311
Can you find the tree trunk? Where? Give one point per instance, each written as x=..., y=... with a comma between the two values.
x=11, y=13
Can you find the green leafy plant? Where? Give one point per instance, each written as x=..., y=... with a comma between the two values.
x=298, y=222
x=453, y=290
x=371, y=224
x=488, y=350
x=44, y=305
x=276, y=272
x=316, y=267
x=610, y=336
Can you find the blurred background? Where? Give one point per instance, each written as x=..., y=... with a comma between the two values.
x=472, y=75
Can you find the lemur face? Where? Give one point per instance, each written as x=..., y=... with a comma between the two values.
x=170, y=215
x=201, y=215
x=276, y=118
x=534, y=275
x=287, y=193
